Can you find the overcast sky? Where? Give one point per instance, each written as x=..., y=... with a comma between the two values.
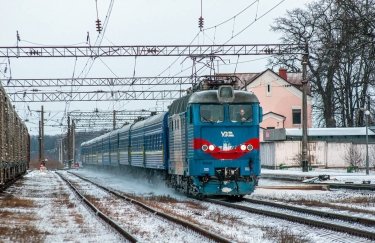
x=141, y=22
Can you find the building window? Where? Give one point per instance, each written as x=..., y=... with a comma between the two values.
x=269, y=89
x=296, y=116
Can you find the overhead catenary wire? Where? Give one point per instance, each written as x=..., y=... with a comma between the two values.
x=44, y=44
x=163, y=71
x=247, y=26
x=233, y=17
x=238, y=33
x=98, y=42
x=233, y=35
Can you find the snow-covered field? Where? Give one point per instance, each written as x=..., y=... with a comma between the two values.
x=41, y=208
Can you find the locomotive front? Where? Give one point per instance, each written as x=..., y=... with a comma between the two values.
x=222, y=143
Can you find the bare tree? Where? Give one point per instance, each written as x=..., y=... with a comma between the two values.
x=340, y=38
x=353, y=156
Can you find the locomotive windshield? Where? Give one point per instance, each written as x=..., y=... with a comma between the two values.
x=240, y=113
x=212, y=113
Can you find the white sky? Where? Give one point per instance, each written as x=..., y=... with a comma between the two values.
x=141, y=22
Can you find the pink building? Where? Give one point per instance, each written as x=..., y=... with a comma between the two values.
x=280, y=95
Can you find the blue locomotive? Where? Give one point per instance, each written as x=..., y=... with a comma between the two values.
x=206, y=144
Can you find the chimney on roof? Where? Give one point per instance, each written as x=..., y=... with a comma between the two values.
x=283, y=73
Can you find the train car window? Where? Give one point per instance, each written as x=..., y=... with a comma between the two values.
x=212, y=113
x=240, y=113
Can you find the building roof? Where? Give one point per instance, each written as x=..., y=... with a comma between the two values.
x=350, y=134
x=337, y=131
x=294, y=79
x=273, y=113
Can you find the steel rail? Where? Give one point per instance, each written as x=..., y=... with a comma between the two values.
x=353, y=219
x=182, y=222
x=302, y=220
x=104, y=217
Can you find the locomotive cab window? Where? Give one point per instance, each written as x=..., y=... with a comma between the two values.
x=212, y=113
x=241, y=113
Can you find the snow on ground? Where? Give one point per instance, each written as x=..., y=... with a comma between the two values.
x=360, y=203
x=228, y=222
x=142, y=224
x=337, y=175
x=49, y=212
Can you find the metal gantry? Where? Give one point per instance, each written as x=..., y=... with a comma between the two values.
x=107, y=119
x=98, y=95
x=61, y=82
x=105, y=115
x=149, y=50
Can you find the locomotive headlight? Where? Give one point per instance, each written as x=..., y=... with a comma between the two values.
x=211, y=147
x=225, y=93
x=204, y=147
x=243, y=147
x=250, y=147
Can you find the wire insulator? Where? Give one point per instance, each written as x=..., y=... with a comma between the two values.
x=201, y=23
x=98, y=25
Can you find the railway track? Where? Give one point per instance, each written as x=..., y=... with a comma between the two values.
x=320, y=222
x=100, y=214
x=129, y=198
x=351, y=219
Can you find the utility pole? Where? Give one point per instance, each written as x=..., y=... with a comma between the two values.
x=41, y=135
x=367, y=122
x=60, y=150
x=73, y=135
x=69, y=145
x=114, y=119
x=305, y=159
x=40, y=141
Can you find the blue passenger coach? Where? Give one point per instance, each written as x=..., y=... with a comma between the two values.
x=141, y=144
x=206, y=144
